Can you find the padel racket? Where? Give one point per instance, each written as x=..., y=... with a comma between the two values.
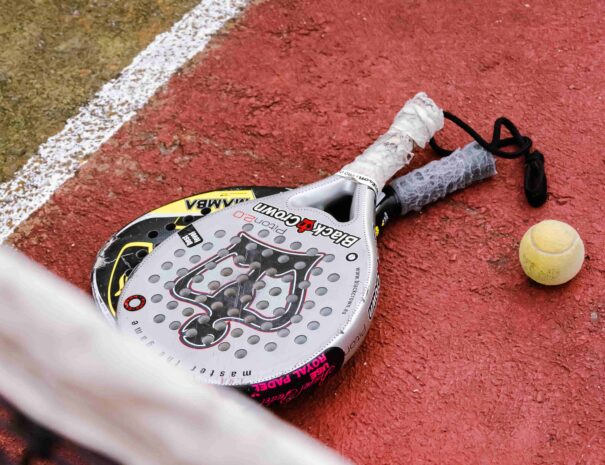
x=275, y=293
x=123, y=252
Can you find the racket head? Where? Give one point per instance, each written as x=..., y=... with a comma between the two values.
x=270, y=296
x=123, y=252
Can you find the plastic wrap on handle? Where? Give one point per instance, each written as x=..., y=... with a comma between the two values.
x=439, y=178
x=415, y=123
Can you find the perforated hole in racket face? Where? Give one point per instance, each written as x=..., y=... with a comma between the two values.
x=260, y=291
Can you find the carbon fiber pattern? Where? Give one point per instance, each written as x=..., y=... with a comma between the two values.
x=439, y=178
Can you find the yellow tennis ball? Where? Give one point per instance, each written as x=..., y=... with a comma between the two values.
x=551, y=252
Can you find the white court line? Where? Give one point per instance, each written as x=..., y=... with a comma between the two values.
x=60, y=156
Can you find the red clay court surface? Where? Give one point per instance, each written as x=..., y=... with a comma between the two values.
x=467, y=362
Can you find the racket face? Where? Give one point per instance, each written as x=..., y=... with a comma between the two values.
x=123, y=252
x=270, y=296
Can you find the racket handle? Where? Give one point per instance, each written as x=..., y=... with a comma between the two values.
x=415, y=124
x=436, y=180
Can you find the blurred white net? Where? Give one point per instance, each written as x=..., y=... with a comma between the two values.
x=63, y=367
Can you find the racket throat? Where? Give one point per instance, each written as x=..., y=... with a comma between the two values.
x=340, y=198
x=340, y=208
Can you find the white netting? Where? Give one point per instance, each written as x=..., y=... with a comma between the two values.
x=439, y=178
x=63, y=366
x=416, y=123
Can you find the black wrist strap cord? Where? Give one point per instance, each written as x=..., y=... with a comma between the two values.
x=535, y=185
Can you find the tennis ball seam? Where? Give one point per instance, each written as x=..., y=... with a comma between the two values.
x=554, y=254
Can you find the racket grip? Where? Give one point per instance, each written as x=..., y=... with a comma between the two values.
x=439, y=178
x=415, y=124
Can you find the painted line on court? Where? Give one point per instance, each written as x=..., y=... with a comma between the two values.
x=61, y=155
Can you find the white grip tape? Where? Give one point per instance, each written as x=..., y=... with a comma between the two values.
x=416, y=122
